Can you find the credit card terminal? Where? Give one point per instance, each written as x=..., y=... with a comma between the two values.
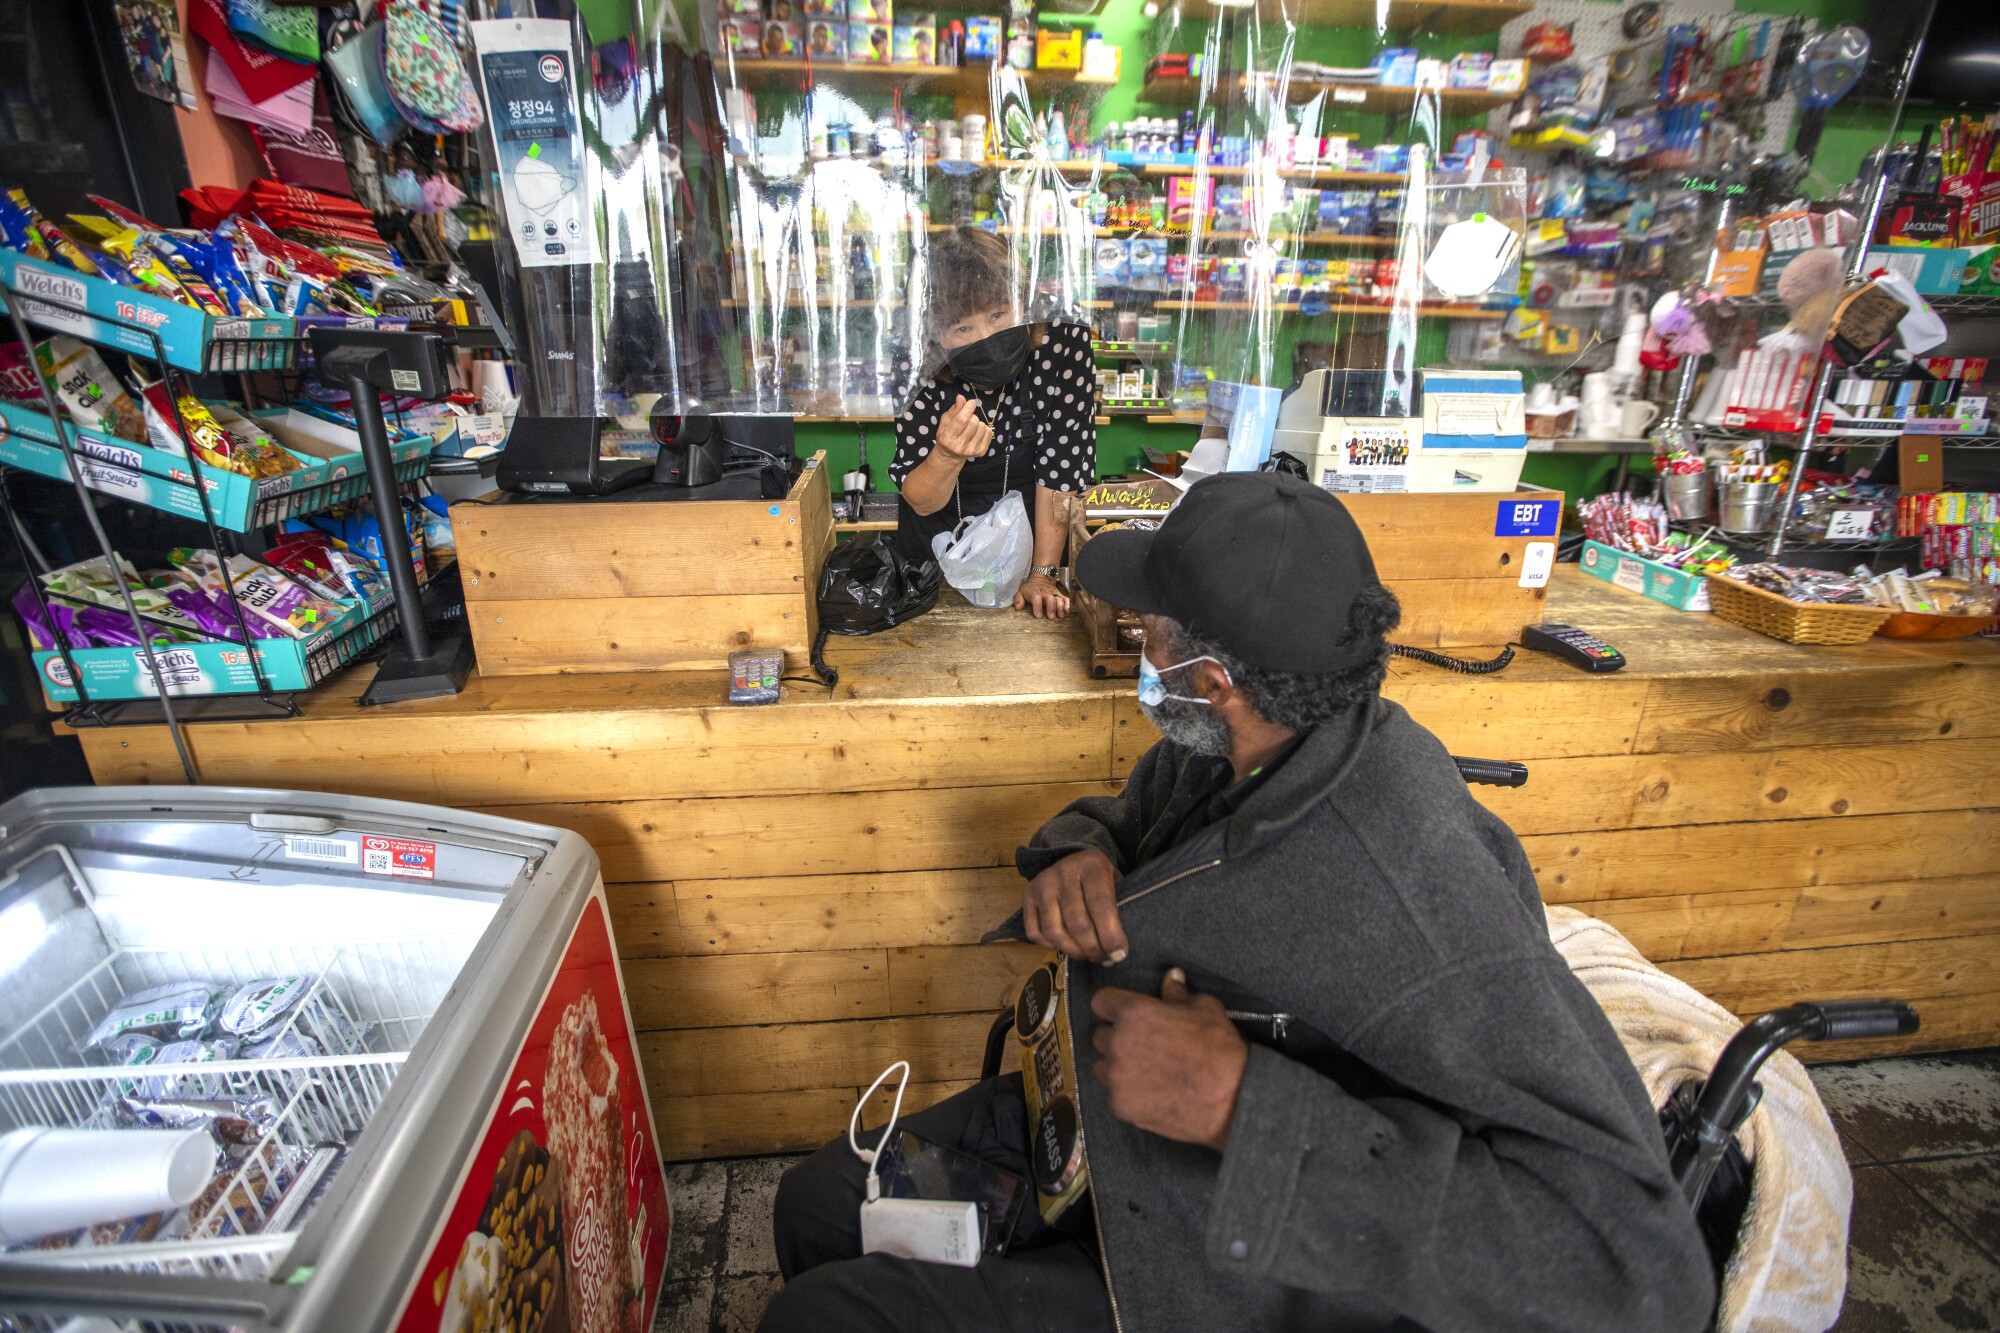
x=1583, y=651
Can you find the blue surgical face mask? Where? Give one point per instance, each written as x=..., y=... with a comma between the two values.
x=1153, y=690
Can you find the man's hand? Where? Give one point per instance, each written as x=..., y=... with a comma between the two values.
x=1072, y=906
x=1172, y=1066
x=1042, y=597
x=961, y=433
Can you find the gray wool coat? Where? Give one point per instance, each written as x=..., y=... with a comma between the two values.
x=1438, y=1131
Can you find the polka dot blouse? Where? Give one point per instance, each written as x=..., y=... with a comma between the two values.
x=1059, y=387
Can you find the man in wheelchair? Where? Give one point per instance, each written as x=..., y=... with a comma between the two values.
x=1329, y=1072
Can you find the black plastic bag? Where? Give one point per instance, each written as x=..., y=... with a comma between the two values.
x=868, y=586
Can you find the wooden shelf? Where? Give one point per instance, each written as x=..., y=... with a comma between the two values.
x=1464, y=17
x=801, y=75
x=1289, y=173
x=1343, y=96
x=1149, y=234
x=1426, y=311
x=794, y=303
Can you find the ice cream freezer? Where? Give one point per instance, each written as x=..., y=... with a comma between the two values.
x=394, y=1037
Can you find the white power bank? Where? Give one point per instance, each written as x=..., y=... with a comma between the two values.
x=929, y=1229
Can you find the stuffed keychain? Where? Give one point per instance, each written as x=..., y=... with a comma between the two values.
x=1810, y=288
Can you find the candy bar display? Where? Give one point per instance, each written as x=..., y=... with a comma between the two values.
x=1643, y=527
x=185, y=602
x=237, y=267
x=1958, y=532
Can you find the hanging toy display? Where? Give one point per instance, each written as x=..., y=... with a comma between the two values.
x=427, y=81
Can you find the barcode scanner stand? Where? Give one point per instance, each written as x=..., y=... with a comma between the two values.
x=367, y=363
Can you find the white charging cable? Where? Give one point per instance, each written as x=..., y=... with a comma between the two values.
x=873, y=1155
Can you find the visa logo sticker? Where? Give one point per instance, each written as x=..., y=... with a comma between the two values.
x=1528, y=518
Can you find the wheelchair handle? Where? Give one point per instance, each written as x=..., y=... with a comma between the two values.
x=1728, y=1094
x=1853, y=1020
x=1492, y=772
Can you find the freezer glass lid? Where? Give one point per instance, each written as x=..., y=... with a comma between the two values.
x=247, y=993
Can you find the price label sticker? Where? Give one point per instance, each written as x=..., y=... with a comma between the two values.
x=1630, y=575
x=398, y=856
x=1850, y=525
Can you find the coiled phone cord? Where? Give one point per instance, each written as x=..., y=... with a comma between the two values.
x=1458, y=664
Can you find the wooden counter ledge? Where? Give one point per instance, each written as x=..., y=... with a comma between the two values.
x=799, y=889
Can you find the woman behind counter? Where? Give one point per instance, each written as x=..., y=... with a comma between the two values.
x=1011, y=409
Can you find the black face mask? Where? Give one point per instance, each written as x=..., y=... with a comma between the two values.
x=993, y=361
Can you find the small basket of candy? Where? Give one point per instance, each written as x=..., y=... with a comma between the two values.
x=1796, y=605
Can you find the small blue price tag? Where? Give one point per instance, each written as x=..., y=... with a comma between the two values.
x=1528, y=518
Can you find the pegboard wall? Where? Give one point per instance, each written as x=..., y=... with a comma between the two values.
x=1596, y=29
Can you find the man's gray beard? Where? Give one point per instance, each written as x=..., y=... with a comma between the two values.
x=1194, y=726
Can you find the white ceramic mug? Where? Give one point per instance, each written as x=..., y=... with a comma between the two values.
x=1599, y=418
x=1637, y=416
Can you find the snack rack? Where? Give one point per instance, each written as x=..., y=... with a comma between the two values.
x=111, y=686
x=344, y=1205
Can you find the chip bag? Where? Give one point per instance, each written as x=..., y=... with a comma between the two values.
x=94, y=397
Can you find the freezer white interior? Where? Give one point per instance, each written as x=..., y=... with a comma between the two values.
x=85, y=920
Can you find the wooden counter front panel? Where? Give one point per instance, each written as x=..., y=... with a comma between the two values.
x=798, y=892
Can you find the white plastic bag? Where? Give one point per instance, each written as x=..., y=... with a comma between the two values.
x=986, y=557
x=1921, y=328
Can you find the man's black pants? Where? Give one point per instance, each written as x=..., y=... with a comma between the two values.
x=1047, y=1282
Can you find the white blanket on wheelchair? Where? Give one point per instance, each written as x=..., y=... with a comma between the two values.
x=1789, y=1269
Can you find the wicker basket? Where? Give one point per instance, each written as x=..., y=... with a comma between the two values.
x=1794, y=622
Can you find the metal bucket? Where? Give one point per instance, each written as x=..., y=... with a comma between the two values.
x=1687, y=495
x=1749, y=506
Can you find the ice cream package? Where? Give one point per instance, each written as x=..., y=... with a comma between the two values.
x=179, y=1010
x=188, y=1087
x=256, y=1009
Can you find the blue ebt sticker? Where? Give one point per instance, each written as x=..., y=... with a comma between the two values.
x=1528, y=518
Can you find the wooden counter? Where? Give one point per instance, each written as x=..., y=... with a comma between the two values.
x=799, y=888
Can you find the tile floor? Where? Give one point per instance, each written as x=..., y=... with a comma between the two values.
x=1922, y=1134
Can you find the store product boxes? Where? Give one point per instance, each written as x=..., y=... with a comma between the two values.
x=1349, y=430
x=915, y=39
x=869, y=43
x=984, y=39
x=1058, y=48
x=826, y=38
x=1649, y=578
x=1933, y=272
x=1475, y=431
x=1357, y=455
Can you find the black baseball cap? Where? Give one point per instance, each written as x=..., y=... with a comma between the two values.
x=1265, y=564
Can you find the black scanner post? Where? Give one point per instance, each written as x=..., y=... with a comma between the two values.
x=368, y=363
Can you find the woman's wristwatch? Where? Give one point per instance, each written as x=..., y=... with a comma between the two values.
x=1049, y=572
